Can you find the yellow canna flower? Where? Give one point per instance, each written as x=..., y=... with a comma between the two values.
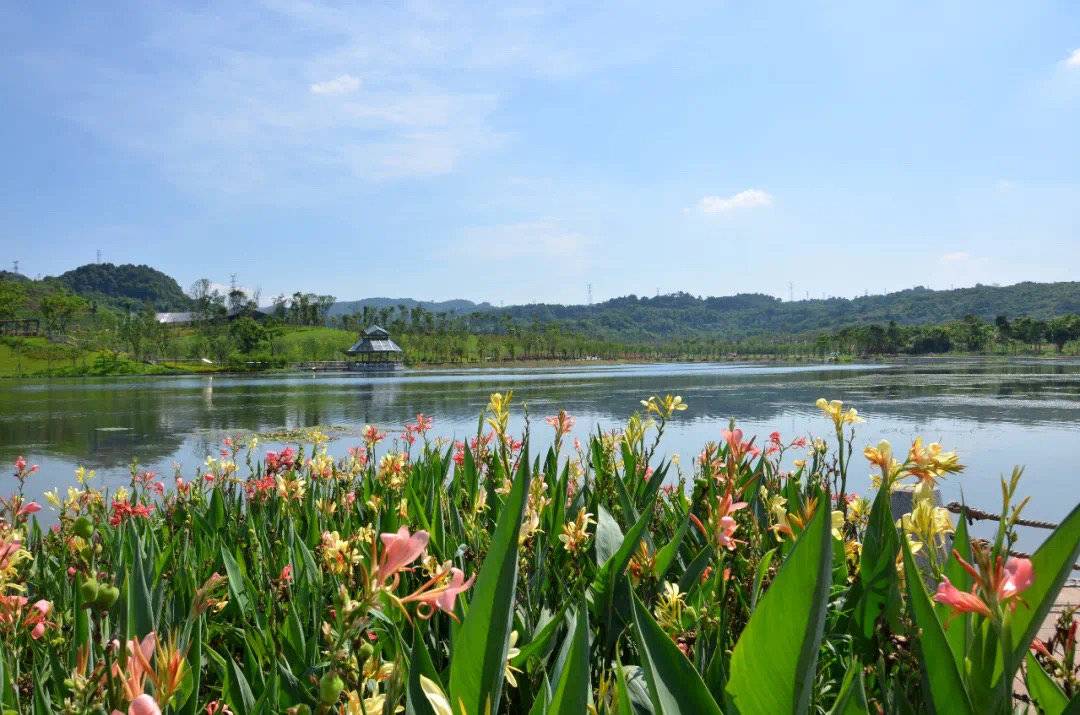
x=499, y=407
x=664, y=407
x=834, y=410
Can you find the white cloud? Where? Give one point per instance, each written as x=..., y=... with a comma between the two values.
x=956, y=257
x=342, y=84
x=1073, y=60
x=750, y=198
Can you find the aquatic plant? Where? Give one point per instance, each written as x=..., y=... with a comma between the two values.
x=474, y=576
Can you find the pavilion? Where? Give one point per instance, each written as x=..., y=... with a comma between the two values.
x=375, y=351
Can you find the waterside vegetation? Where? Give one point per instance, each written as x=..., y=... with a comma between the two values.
x=483, y=577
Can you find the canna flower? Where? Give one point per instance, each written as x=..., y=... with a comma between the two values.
x=882, y=457
x=436, y=698
x=171, y=668
x=399, y=550
x=959, y=601
x=562, y=422
x=834, y=410
x=132, y=678
x=512, y=652
x=995, y=587
x=372, y=436
x=930, y=463
x=576, y=533
x=499, y=407
x=441, y=596
x=664, y=407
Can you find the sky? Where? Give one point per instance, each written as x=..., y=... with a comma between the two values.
x=517, y=152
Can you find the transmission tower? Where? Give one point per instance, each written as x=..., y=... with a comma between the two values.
x=99, y=255
x=15, y=266
x=588, y=292
x=790, y=292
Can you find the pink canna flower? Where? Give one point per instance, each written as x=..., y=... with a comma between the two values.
x=399, y=550
x=144, y=705
x=31, y=507
x=959, y=601
x=726, y=534
x=1019, y=575
x=442, y=597
x=138, y=667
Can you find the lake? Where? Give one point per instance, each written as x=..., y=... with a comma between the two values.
x=995, y=413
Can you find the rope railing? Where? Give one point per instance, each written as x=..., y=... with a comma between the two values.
x=973, y=514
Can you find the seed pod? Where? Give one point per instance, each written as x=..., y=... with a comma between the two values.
x=83, y=527
x=88, y=591
x=330, y=687
x=107, y=596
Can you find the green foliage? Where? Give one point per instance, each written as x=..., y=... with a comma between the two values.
x=313, y=584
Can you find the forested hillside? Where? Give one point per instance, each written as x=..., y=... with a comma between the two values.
x=681, y=314
x=125, y=285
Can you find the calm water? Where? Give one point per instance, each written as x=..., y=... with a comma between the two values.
x=996, y=414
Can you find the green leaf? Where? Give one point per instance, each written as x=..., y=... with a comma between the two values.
x=1052, y=563
x=236, y=580
x=195, y=658
x=878, y=589
x=416, y=702
x=772, y=666
x=674, y=685
x=665, y=555
x=957, y=633
x=943, y=681
x=479, y=655
x=1043, y=690
x=851, y=699
x=572, y=683
x=140, y=606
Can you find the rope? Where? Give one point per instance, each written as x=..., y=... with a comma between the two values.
x=972, y=513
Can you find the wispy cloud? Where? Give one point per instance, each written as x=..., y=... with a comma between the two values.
x=1073, y=60
x=750, y=198
x=342, y=84
x=955, y=257
x=232, y=100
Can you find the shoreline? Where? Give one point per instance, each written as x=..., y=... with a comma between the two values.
x=174, y=369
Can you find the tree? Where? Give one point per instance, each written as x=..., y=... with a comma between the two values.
x=1062, y=329
x=12, y=299
x=60, y=308
x=247, y=333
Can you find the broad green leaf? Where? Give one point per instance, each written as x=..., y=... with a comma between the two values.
x=957, y=633
x=194, y=659
x=852, y=697
x=572, y=686
x=1043, y=690
x=140, y=607
x=1052, y=563
x=674, y=685
x=944, y=684
x=772, y=666
x=665, y=555
x=481, y=644
x=416, y=700
x=236, y=581
x=878, y=589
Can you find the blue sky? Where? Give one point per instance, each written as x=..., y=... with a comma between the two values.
x=516, y=152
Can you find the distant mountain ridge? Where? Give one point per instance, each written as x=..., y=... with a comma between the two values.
x=457, y=306
x=685, y=315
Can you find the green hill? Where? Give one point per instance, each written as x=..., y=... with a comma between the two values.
x=684, y=315
x=126, y=284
